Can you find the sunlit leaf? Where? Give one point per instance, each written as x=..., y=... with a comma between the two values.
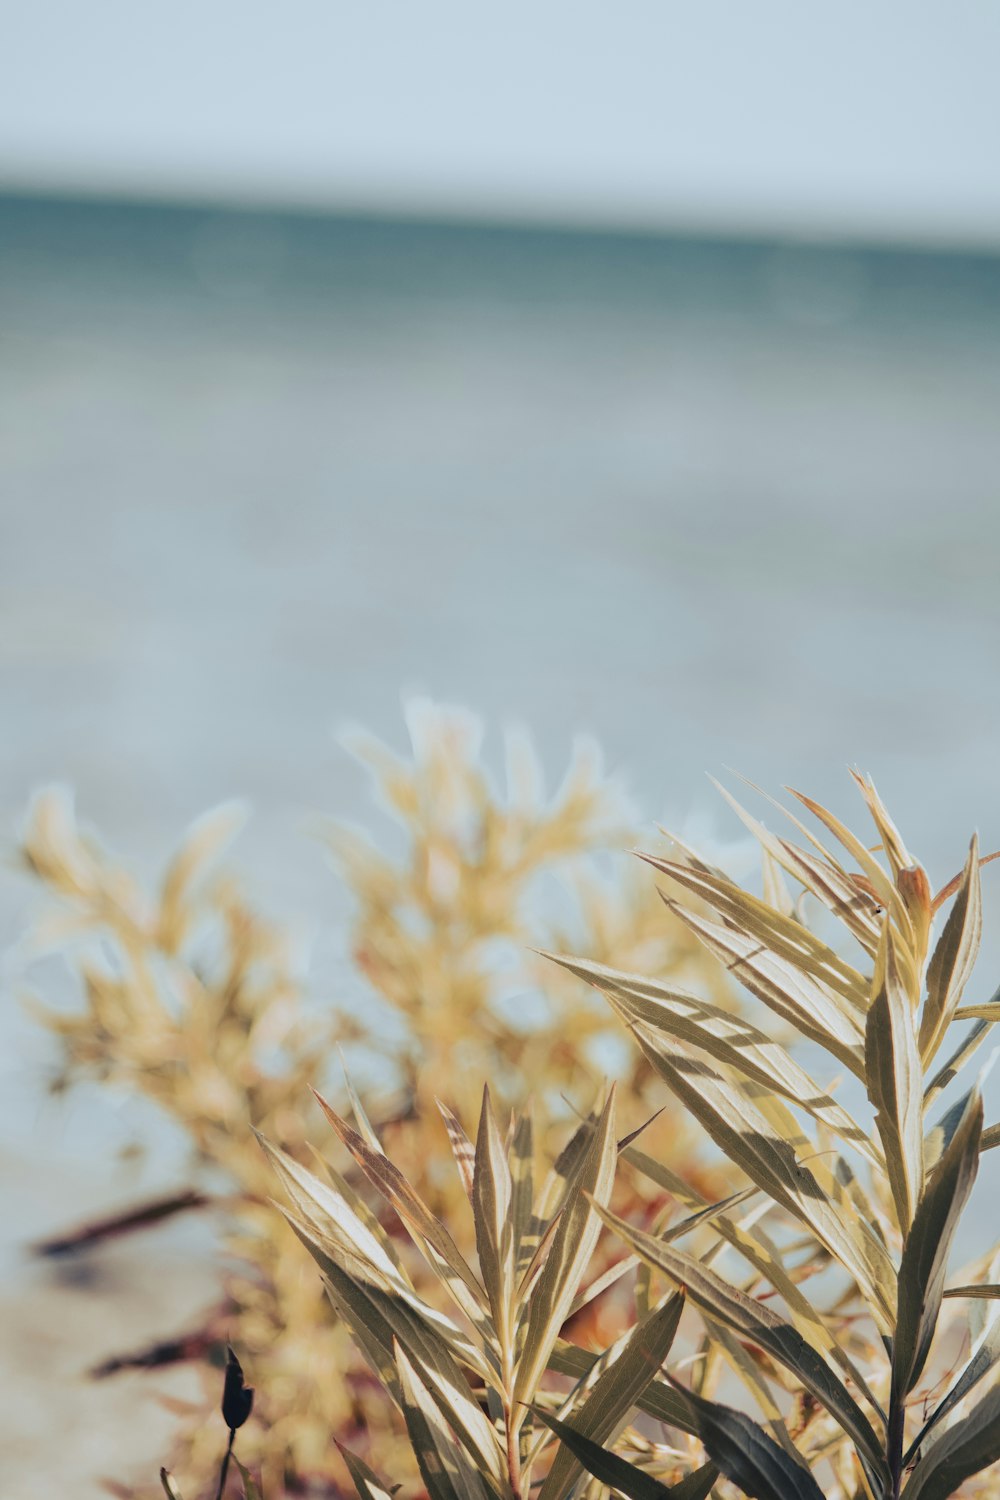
x=895, y=1083
x=791, y=993
x=572, y=1247
x=752, y=1143
x=953, y=958
x=636, y=1361
x=443, y=1466
x=724, y=1035
x=492, y=1193
x=756, y=1322
x=367, y=1484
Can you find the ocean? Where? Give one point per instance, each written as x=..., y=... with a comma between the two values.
x=719, y=504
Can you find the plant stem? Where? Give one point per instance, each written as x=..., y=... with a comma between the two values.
x=513, y=1453
x=225, y=1464
x=894, y=1444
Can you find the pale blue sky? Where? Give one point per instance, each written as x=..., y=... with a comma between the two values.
x=878, y=118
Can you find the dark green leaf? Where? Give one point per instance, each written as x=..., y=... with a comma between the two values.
x=925, y=1252
x=965, y=1449
x=756, y=1322
x=617, y=1389
x=746, y=1455
x=616, y=1472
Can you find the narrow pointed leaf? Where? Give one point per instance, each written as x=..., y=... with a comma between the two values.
x=967, y=1448
x=783, y=936
x=616, y=1391
x=658, y=1400
x=492, y=1193
x=757, y=1250
x=984, y=1357
x=393, y=1186
x=570, y=1252
x=724, y=1035
x=367, y=1484
x=443, y=1467
x=752, y=1143
x=746, y=1455
x=756, y=1322
x=792, y=994
x=950, y=1070
x=953, y=958
x=925, y=1252
x=462, y=1148
x=612, y=1470
x=895, y=1085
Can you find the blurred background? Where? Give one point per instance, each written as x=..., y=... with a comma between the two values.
x=633, y=370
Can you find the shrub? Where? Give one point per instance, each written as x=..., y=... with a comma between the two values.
x=191, y=999
x=821, y=1287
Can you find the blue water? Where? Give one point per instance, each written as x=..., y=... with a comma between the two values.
x=719, y=503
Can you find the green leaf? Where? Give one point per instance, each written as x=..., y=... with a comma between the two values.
x=492, y=1194
x=571, y=1248
x=984, y=1356
x=790, y=992
x=367, y=1484
x=630, y=1366
x=967, y=1448
x=750, y=1140
x=746, y=1455
x=443, y=1466
x=380, y=1319
x=617, y=1473
x=925, y=1251
x=724, y=1035
x=895, y=1083
x=953, y=958
x=757, y=1323
x=425, y=1228
x=657, y=1400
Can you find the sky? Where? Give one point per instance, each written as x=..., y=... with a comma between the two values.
x=872, y=119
